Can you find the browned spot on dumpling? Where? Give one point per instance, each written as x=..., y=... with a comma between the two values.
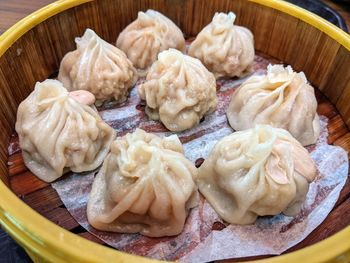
x=199, y=162
x=141, y=106
x=218, y=226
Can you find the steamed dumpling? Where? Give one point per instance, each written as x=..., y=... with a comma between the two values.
x=145, y=186
x=58, y=134
x=256, y=172
x=178, y=91
x=281, y=98
x=147, y=36
x=98, y=67
x=225, y=49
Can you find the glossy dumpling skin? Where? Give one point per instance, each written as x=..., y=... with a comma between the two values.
x=256, y=172
x=225, y=49
x=98, y=67
x=58, y=134
x=281, y=98
x=178, y=91
x=145, y=186
x=147, y=36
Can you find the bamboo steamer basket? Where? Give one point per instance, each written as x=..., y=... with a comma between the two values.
x=32, y=49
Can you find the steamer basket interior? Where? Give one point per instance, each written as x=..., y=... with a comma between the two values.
x=31, y=51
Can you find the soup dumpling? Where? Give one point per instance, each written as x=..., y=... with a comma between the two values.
x=256, y=172
x=225, y=49
x=98, y=67
x=178, y=91
x=282, y=98
x=144, y=186
x=57, y=133
x=147, y=36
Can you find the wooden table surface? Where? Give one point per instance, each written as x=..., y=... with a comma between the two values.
x=12, y=11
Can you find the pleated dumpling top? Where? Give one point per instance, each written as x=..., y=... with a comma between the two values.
x=98, y=67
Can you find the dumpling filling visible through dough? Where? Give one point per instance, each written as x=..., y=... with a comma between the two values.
x=178, y=91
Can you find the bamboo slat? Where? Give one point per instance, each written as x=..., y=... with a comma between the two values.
x=337, y=86
x=344, y=142
x=90, y=237
x=62, y=217
x=344, y=194
x=26, y=183
x=16, y=164
x=43, y=200
x=336, y=129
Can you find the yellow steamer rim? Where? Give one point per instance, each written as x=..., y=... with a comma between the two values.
x=47, y=242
